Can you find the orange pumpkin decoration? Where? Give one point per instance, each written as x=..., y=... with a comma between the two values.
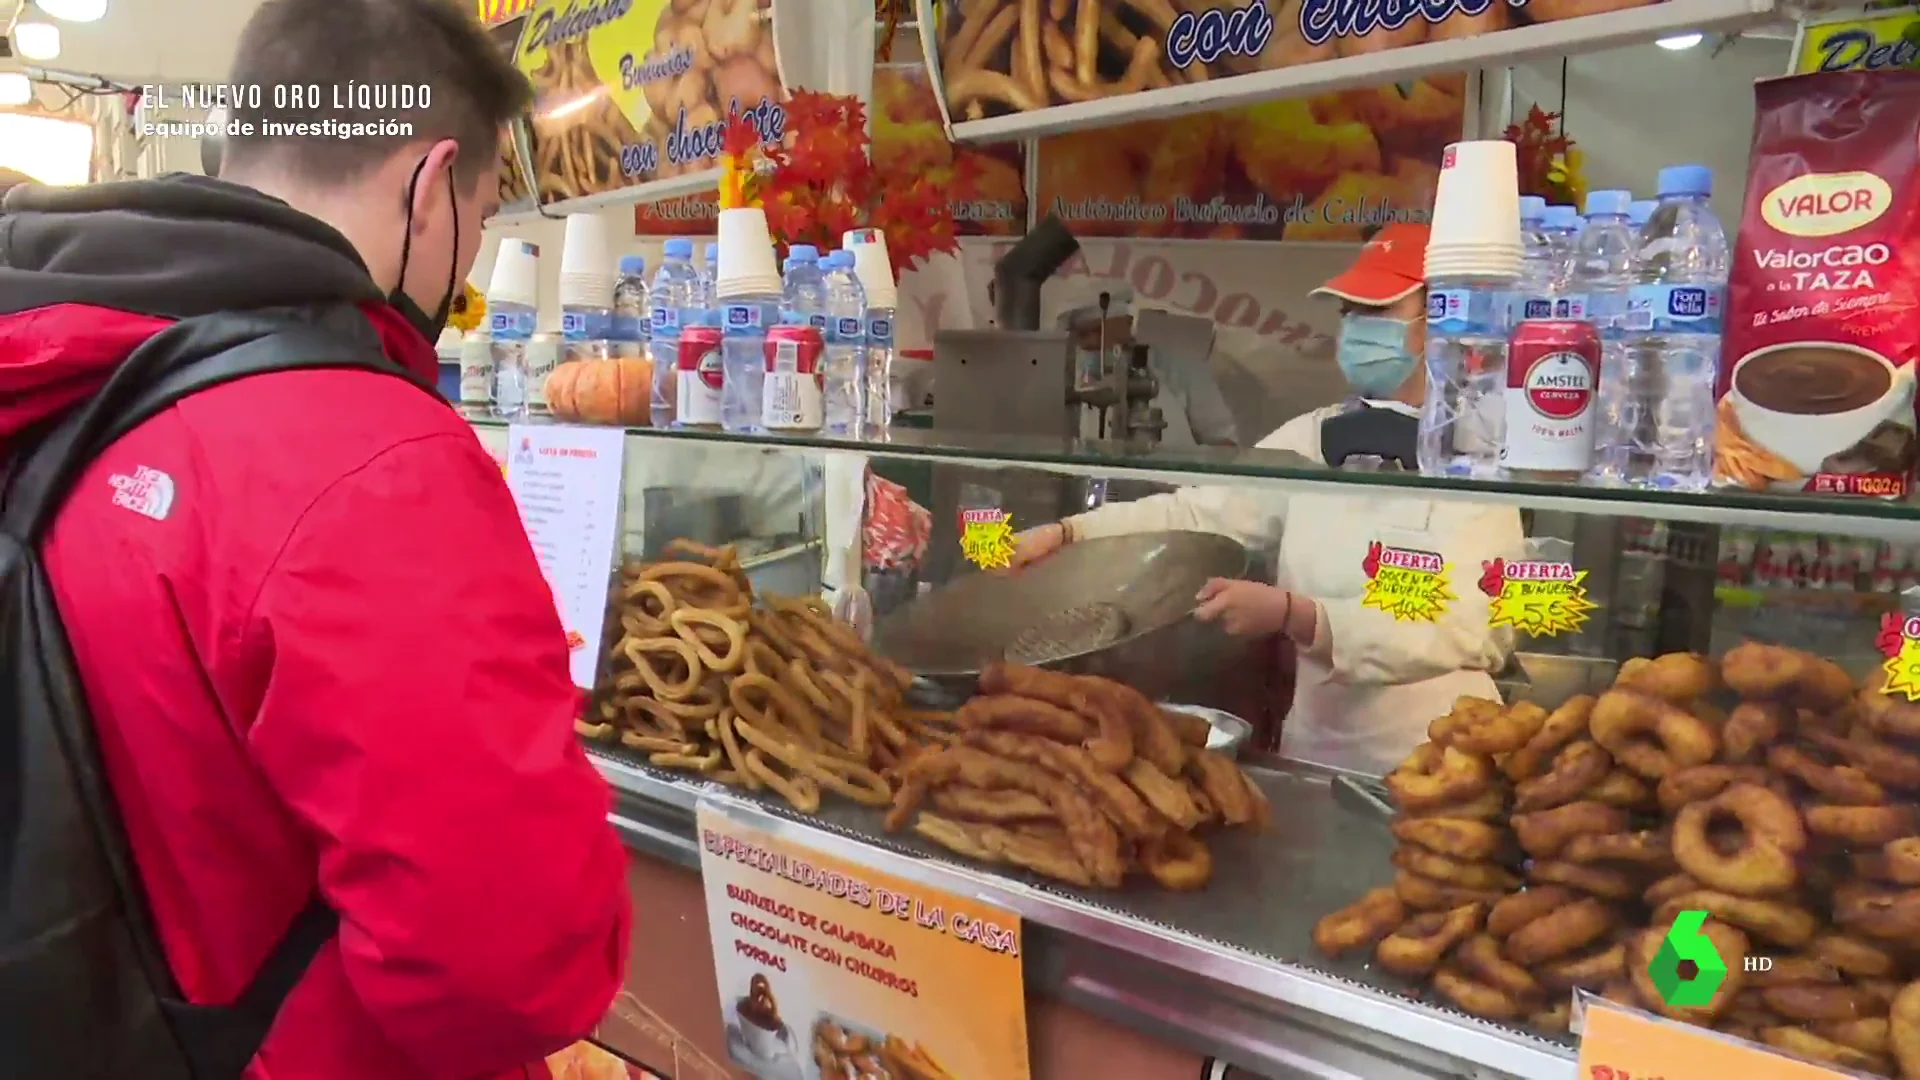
x=617, y=390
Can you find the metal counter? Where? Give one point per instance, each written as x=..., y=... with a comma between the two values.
x=1230, y=971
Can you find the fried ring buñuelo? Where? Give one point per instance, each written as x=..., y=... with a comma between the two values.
x=1562, y=726
x=1471, y=875
x=1178, y=861
x=1844, y=784
x=1759, y=671
x=1459, y=838
x=1577, y=767
x=1677, y=678
x=1803, y=1043
x=1650, y=736
x=1733, y=948
x=1646, y=847
x=1751, y=728
x=1360, y=923
x=1543, y=833
x=1560, y=932
x=1608, y=882
x=1691, y=785
x=1903, y=1029
x=1426, y=894
x=1775, y=920
x=1471, y=995
x=1884, y=914
x=1863, y=826
x=1479, y=957
x=1772, y=836
x=1518, y=909
x=1590, y=970
x=1420, y=943
x=1435, y=776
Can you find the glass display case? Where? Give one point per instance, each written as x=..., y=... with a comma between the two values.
x=1585, y=710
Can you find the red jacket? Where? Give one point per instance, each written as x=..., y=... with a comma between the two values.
x=318, y=650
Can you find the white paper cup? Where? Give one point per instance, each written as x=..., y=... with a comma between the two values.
x=873, y=266
x=516, y=274
x=586, y=249
x=746, y=266
x=1477, y=200
x=1507, y=269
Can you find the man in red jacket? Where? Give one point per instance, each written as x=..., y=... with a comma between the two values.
x=317, y=649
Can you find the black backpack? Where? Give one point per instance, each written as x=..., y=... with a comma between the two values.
x=87, y=991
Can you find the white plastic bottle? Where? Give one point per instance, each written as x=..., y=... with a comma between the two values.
x=743, y=360
x=1463, y=419
x=805, y=289
x=1674, y=319
x=845, y=369
x=674, y=301
x=630, y=327
x=868, y=248
x=1560, y=230
x=1603, y=272
x=586, y=316
x=1639, y=211
x=1532, y=296
x=513, y=313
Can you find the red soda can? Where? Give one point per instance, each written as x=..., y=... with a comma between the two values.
x=1553, y=388
x=697, y=377
x=794, y=398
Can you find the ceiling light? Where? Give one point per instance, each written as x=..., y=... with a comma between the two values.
x=37, y=40
x=1680, y=41
x=14, y=88
x=73, y=10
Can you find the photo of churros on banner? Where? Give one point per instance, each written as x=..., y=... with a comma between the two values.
x=999, y=57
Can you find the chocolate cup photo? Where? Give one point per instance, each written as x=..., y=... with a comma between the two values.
x=1809, y=400
x=761, y=1028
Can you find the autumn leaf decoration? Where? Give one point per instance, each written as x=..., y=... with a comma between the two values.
x=741, y=157
x=821, y=182
x=1550, y=165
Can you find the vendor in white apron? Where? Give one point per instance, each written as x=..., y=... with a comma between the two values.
x=1367, y=684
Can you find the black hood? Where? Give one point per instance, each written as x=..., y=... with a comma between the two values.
x=175, y=247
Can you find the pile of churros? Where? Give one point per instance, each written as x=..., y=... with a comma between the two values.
x=777, y=695
x=844, y=1054
x=1076, y=778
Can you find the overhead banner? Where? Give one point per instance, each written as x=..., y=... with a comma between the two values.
x=1011, y=58
x=1333, y=167
x=1875, y=41
x=908, y=139
x=632, y=92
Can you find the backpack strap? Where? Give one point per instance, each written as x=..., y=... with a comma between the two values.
x=180, y=361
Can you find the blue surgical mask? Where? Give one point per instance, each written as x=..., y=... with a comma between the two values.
x=1373, y=354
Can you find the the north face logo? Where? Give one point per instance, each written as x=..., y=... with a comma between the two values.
x=148, y=492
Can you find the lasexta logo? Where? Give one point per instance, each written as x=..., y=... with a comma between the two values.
x=1685, y=942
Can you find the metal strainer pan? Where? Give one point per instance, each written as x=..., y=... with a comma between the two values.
x=950, y=635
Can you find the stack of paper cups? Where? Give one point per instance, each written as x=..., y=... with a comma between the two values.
x=873, y=266
x=746, y=265
x=1476, y=213
x=516, y=275
x=586, y=264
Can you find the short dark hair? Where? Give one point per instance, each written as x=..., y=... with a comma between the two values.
x=291, y=48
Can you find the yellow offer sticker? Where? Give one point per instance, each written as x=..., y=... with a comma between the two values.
x=1900, y=643
x=1544, y=599
x=986, y=538
x=1406, y=583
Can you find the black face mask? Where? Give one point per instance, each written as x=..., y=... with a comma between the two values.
x=428, y=325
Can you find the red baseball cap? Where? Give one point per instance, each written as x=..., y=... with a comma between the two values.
x=1392, y=265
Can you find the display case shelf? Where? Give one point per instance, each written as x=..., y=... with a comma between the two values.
x=1286, y=472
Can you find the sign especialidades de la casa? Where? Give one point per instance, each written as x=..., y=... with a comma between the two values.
x=340, y=110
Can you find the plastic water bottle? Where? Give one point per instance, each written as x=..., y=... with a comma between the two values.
x=630, y=329
x=805, y=287
x=878, y=410
x=673, y=302
x=1533, y=293
x=513, y=314
x=1639, y=211
x=709, y=272
x=845, y=369
x=1464, y=418
x=743, y=359
x=1603, y=272
x=1560, y=228
x=1674, y=318
x=586, y=316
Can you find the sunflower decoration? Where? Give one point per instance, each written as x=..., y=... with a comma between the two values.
x=468, y=311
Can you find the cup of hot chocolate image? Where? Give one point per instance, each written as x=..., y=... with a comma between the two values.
x=761, y=1027
x=1809, y=401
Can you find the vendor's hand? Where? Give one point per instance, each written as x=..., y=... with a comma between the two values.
x=1032, y=545
x=1244, y=608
